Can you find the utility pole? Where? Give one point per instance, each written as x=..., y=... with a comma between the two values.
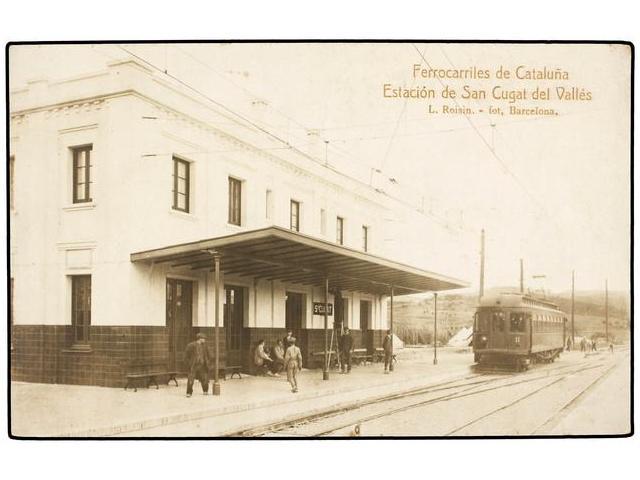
x=391, y=328
x=481, y=292
x=606, y=311
x=521, y=277
x=435, y=328
x=326, y=153
x=573, y=306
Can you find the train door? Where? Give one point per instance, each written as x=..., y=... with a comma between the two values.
x=497, y=337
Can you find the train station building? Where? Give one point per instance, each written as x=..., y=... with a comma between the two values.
x=140, y=216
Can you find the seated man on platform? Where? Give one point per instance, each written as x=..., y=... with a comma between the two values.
x=261, y=359
x=277, y=355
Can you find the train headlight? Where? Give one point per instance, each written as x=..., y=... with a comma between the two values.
x=483, y=339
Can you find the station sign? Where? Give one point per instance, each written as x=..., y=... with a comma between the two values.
x=318, y=308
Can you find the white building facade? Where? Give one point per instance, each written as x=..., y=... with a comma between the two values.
x=123, y=161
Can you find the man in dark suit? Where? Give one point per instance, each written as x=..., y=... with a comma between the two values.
x=387, y=345
x=346, y=348
x=197, y=361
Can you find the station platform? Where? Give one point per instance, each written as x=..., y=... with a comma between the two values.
x=46, y=410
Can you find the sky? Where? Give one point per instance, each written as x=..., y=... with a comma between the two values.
x=552, y=190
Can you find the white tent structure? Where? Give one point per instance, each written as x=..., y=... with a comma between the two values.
x=398, y=344
x=462, y=338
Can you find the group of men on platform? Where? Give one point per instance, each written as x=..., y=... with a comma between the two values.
x=198, y=360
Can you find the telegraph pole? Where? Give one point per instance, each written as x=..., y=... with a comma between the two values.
x=521, y=277
x=326, y=154
x=481, y=292
x=606, y=311
x=573, y=306
x=435, y=328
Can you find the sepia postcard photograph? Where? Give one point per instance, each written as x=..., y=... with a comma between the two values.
x=319, y=239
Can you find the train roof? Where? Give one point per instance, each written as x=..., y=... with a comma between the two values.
x=515, y=299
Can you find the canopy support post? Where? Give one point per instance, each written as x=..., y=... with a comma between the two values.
x=216, y=346
x=325, y=370
x=391, y=328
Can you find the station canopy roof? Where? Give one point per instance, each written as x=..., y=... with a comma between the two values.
x=275, y=253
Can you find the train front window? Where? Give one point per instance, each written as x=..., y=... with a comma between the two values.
x=483, y=322
x=518, y=322
x=497, y=320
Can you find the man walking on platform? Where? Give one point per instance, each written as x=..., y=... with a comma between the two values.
x=197, y=361
x=293, y=363
x=346, y=347
x=387, y=345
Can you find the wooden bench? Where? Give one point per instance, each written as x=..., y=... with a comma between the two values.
x=360, y=356
x=378, y=356
x=318, y=358
x=151, y=377
x=230, y=370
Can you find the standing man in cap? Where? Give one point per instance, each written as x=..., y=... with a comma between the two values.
x=346, y=347
x=293, y=363
x=197, y=361
x=387, y=345
x=285, y=340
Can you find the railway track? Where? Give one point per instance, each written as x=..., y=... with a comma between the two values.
x=550, y=419
x=467, y=386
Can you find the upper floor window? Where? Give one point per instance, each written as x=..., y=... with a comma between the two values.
x=81, y=307
x=235, y=201
x=340, y=230
x=181, y=184
x=295, y=216
x=365, y=238
x=82, y=174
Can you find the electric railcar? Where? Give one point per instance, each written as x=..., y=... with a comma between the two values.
x=515, y=329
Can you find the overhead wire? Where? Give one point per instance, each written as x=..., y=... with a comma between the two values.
x=493, y=152
x=220, y=105
x=540, y=205
x=288, y=145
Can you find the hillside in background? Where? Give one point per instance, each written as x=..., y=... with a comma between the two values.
x=413, y=316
